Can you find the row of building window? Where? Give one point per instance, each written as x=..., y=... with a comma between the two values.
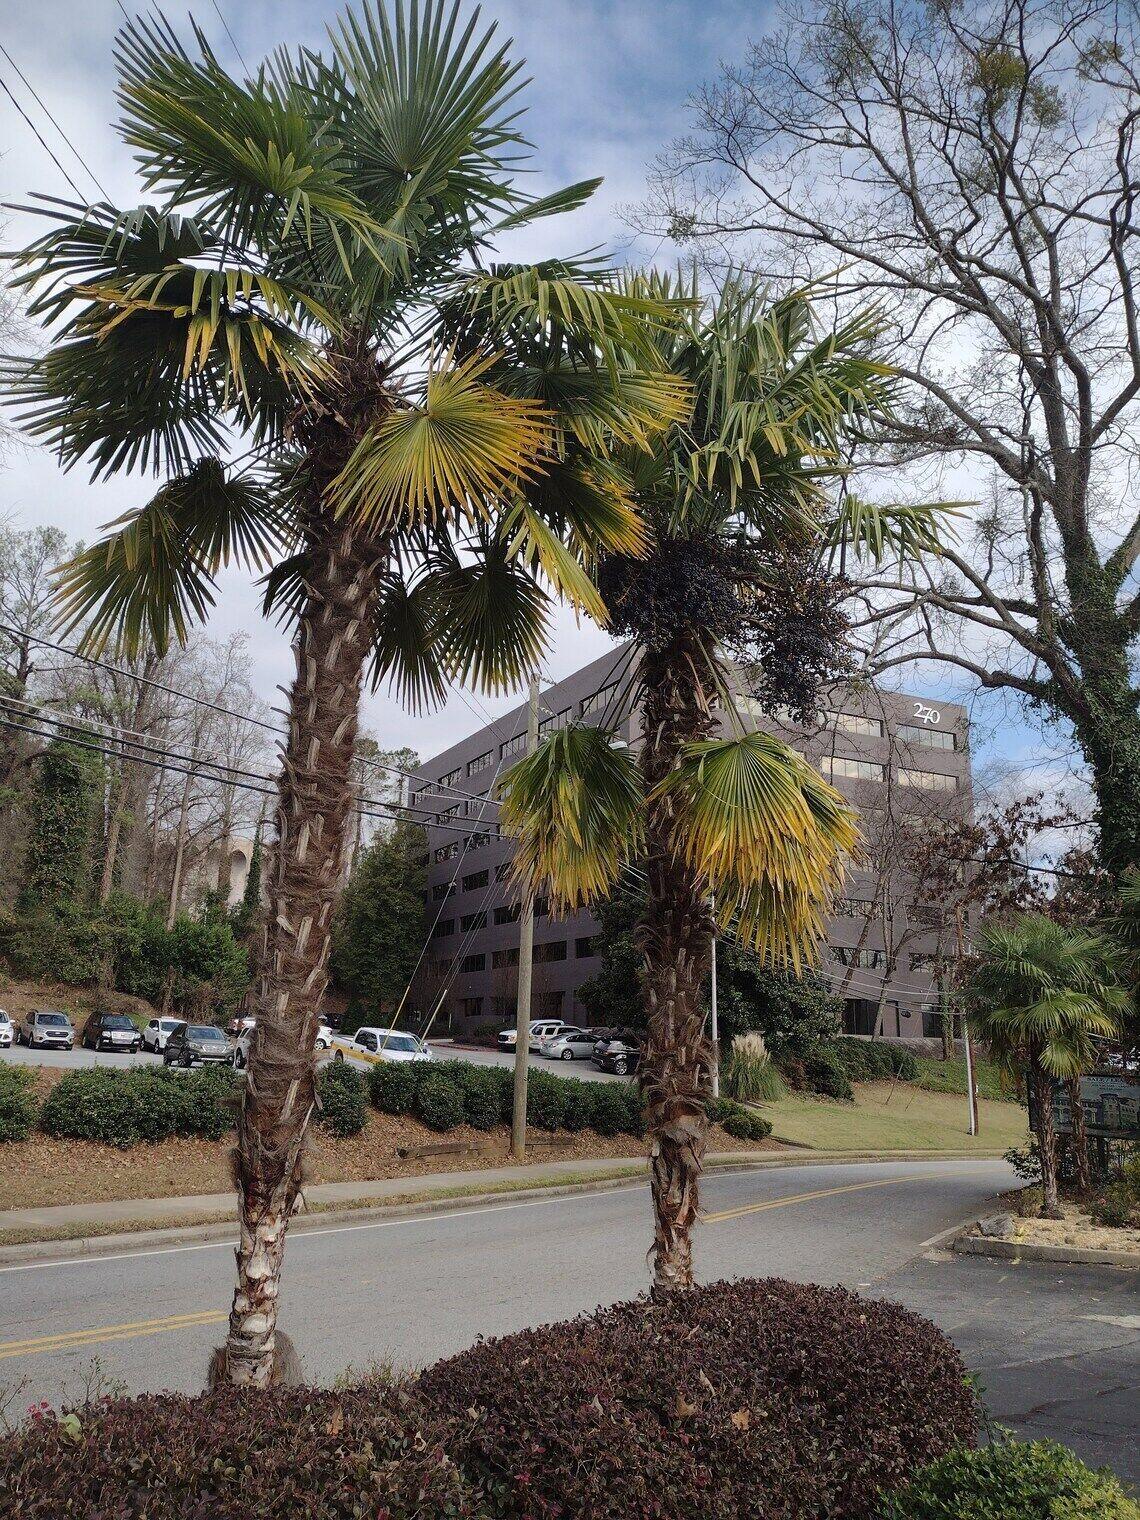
x=840, y=768
x=876, y=960
x=909, y=733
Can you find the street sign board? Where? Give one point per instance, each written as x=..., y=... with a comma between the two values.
x=1111, y=1101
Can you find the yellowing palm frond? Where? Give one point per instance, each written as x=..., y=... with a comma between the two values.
x=767, y=833
x=574, y=810
x=465, y=446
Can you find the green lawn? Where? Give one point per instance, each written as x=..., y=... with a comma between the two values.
x=936, y=1075
x=893, y=1117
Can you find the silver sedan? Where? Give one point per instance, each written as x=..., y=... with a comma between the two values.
x=569, y=1045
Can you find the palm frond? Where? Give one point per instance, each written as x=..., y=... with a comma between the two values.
x=450, y=457
x=558, y=202
x=767, y=833
x=907, y=530
x=406, y=649
x=493, y=618
x=574, y=810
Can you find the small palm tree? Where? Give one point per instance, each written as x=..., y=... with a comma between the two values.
x=737, y=511
x=429, y=440
x=1039, y=994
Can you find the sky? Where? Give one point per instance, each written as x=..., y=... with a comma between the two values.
x=610, y=81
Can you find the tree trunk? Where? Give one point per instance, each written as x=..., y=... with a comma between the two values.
x=314, y=799
x=1080, y=1136
x=675, y=937
x=1046, y=1138
x=111, y=848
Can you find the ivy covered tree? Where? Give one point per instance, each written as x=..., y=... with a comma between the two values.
x=612, y=996
x=57, y=867
x=244, y=916
x=795, y=1012
x=379, y=924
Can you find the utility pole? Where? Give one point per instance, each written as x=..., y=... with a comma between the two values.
x=526, y=959
x=971, y=1086
x=714, y=1031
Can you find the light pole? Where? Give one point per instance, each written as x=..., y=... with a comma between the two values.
x=714, y=1032
x=526, y=959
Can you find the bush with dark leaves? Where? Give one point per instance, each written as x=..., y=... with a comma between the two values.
x=438, y=1101
x=392, y=1085
x=343, y=1108
x=827, y=1077
x=746, y=1398
x=1012, y=1480
x=141, y=1104
x=239, y=1455
x=18, y=1104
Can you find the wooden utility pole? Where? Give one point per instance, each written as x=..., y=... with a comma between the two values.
x=526, y=960
x=971, y=1085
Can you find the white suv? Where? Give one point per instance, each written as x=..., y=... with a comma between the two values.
x=7, y=1029
x=157, y=1032
x=540, y=1029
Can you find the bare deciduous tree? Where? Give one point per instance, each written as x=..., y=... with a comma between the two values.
x=974, y=168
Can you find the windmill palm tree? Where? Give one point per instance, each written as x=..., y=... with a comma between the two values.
x=1039, y=994
x=732, y=592
x=430, y=440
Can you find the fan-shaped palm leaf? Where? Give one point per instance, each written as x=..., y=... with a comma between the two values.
x=406, y=649
x=493, y=614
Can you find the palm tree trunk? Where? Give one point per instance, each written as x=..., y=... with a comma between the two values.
x=1046, y=1138
x=314, y=799
x=1080, y=1136
x=675, y=937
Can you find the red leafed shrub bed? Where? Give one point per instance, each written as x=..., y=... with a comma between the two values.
x=754, y=1398
x=294, y=1454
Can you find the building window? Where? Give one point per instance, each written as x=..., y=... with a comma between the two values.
x=930, y=738
x=480, y=762
x=508, y=913
x=502, y=870
x=513, y=746
x=850, y=723
x=475, y=808
x=541, y=907
x=505, y=1007
x=473, y=962
x=451, y=812
x=471, y=1008
x=475, y=880
x=447, y=851
x=923, y=962
x=452, y=777
x=477, y=841
x=583, y=948
x=838, y=768
x=873, y=960
x=556, y=720
x=929, y=781
x=553, y=950
x=442, y=889
x=598, y=701
x=473, y=921
x=853, y=907
x=444, y=927
x=500, y=958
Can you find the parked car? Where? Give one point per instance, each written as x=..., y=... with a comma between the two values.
x=237, y=1027
x=540, y=1029
x=7, y=1029
x=111, y=1031
x=47, y=1028
x=568, y=1045
x=370, y=1045
x=325, y=1036
x=157, y=1032
x=621, y=1054
x=245, y=1040
x=188, y=1043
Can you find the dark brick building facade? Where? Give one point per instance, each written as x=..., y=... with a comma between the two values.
x=893, y=755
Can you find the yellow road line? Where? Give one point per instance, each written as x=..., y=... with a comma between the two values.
x=64, y=1340
x=782, y=1203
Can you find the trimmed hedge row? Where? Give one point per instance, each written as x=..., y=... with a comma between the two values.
x=445, y=1094
x=744, y=1398
x=143, y=1103
x=1012, y=1480
x=17, y=1103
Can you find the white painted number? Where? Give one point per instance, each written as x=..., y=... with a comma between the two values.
x=927, y=713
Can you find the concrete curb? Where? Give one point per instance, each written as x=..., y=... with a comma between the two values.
x=210, y=1232
x=1020, y=1251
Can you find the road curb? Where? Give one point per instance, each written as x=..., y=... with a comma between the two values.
x=223, y=1228
x=1022, y=1251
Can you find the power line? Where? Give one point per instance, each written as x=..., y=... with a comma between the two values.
x=31, y=91
x=230, y=35
x=40, y=139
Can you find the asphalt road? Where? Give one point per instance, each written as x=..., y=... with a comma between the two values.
x=406, y=1291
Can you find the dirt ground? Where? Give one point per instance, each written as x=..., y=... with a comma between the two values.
x=42, y=1172
x=1076, y=1229
x=19, y=998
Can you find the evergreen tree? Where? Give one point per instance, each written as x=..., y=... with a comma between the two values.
x=244, y=916
x=379, y=923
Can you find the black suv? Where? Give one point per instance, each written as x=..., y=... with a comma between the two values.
x=111, y=1031
x=619, y=1053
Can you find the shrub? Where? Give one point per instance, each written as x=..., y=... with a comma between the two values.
x=141, y=1104
x=482, y=1088
x=545, y=1100
x=340, y=1090
x=792, y=1070
x=826, y=1076
x=1119, y=1203
x=609, y=1113
x=749, y=1075
x=745, y=1125
x=392, y=1085
x=634, y=1110
x=438, y=1101
x=744, y=1398
x=17, y=1102
x=579, y=1106
x=1014, y=1480
x=239, y=1455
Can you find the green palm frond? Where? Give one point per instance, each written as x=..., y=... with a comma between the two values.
x=452, y=456
x=493, y=615
x=767, y=833
x=575, y=812
x=907, y=530
x=406, y=649
x=535, y=544
x=557, y=203
x=155, y=573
